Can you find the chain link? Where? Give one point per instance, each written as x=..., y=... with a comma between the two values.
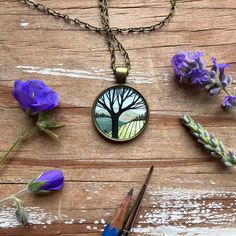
x=42, y=8
x=110, y=32
x=111, y=39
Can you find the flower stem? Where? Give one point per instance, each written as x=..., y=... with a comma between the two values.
x=12, y=197
x=21, y=137
x=2, y=159
x=223, y=88
x=227, y=91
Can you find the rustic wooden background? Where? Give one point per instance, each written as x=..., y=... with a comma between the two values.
x=190, y=193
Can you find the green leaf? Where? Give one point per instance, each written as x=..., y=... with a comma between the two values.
x=50, y=133
x=46, y=122
x=22, y=215
x=43, y=192
x=53, y=124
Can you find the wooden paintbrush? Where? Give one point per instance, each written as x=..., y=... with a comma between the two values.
x=123, y=220
x=129, y=221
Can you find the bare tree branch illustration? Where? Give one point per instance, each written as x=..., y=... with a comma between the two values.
x=118, y=100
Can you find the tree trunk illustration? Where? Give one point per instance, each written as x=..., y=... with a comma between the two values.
x=115, y=126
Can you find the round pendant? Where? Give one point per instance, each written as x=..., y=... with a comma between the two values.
x=120, y=113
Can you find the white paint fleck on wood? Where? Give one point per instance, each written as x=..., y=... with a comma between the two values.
x=189, y=211
x=37, y=216
x=94, y=74
x=173, y=212
x=177, y=231
x=24, y=23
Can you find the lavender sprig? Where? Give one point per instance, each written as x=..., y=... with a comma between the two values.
x=209, y=141
x=190, y=68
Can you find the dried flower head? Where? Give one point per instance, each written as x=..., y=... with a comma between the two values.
x=209, y=141
x=189, y=67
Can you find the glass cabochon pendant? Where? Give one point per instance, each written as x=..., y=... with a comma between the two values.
x=120, y=113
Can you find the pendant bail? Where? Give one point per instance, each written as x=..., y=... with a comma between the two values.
x=121, y=73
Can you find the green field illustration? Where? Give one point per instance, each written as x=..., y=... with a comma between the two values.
x=129, y=129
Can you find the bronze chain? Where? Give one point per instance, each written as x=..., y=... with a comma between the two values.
x=110, y=32
x=111, y=39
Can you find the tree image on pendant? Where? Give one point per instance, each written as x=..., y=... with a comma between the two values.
x=120, y=112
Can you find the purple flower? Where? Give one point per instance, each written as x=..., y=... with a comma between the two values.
x=50, y=180
x=35, y=96
x=199, y=77
x=220, y=67
x=189, y=66
x=214, y=90
x=229, y=102
x=179, y=64
x=224, y=79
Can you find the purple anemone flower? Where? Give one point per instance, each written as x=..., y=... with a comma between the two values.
x=229, y=102
x=35, y=96
x=50, y=180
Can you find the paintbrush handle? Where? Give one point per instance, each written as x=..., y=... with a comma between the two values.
x=135, y=209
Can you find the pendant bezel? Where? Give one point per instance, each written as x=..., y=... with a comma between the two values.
x=117, y=140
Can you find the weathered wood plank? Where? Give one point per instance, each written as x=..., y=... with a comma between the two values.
x=190, y=193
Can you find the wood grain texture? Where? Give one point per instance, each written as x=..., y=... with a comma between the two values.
x=190, y=193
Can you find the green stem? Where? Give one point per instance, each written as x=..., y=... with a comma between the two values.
x=2, y=159
x=29, y=133
x=12, y=197
x=227, y=91
x=224, y=89
x=21, y=137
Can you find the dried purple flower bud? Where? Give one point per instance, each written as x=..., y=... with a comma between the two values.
x=48, y=181
x=214, y=91
x=35, y=96
x=199, y=78
x=224, y=79
x=229, y=102
x=189, y=66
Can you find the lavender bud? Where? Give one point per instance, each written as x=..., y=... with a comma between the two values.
x=226, y=80
x=214, y=91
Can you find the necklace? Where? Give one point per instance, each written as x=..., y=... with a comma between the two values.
x=120, y=113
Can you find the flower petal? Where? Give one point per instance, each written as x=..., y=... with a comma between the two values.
x=35, y=95
x=53, y=180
